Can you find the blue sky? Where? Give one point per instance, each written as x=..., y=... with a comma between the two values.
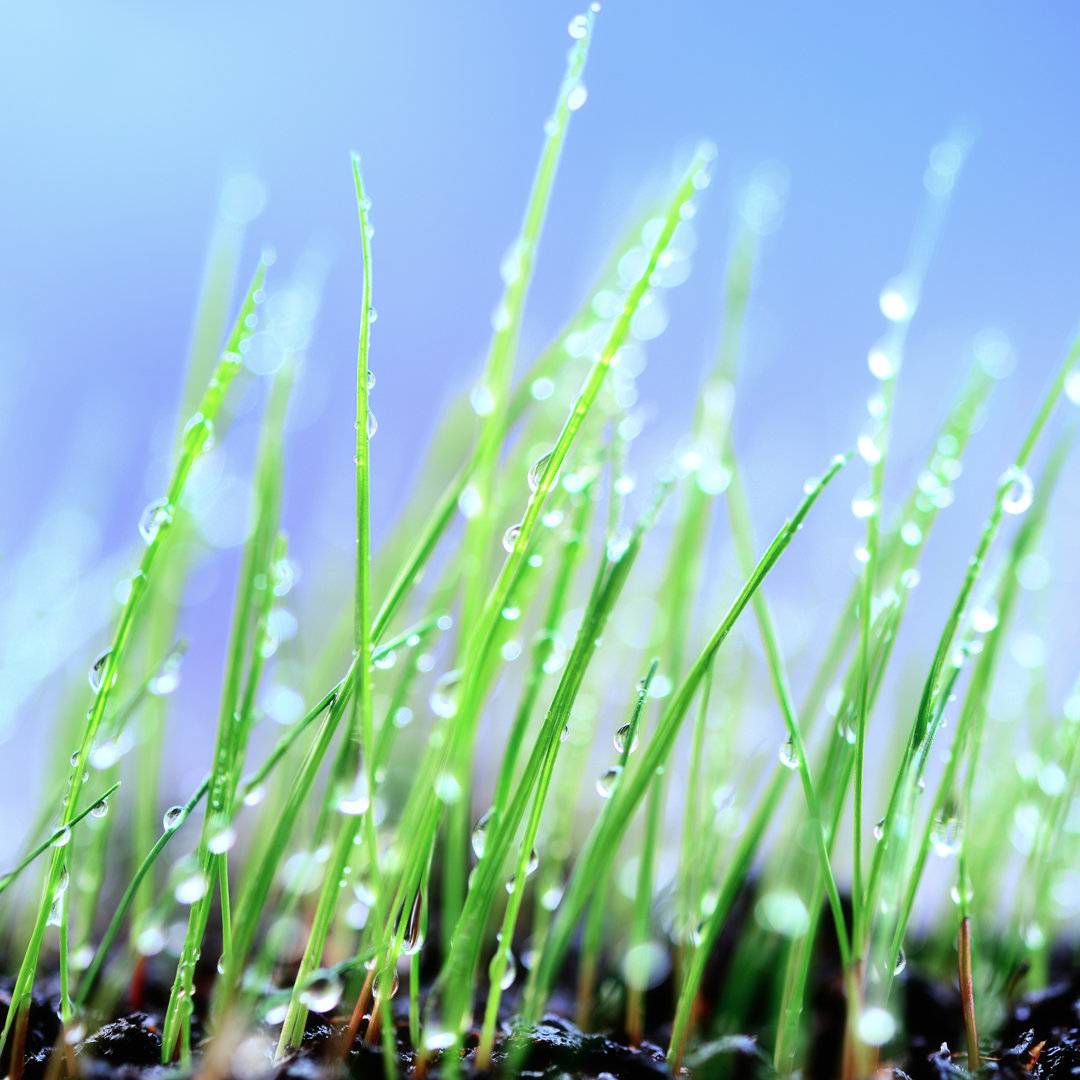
x=121, y=121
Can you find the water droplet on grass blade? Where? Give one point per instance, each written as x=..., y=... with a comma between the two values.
x=536, y=473
x=1018, y=495
x=899, y=298
x=876, y=1026
x=577, y=97
x=605, y=785
x=222, y=841
x=879, y=830
x=198, y=434
x=510, y=537
x=150, y=941
x=479, y=833
x=173, y=817
x=155, y=517
x=789, y=757
x=255, y=795
x=579, y=27
x=63, y=838
x=783, y=910
x=191, y=889
x=322, y=993
x=620, y=740
x=357, y=800
x=97, y=670
x=945, y=836
x=413, y=940
x=901, y=962
x=444, y=694
x=167, y=678
x=100, y=808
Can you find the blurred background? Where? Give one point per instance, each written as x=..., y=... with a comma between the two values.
x=134, y=134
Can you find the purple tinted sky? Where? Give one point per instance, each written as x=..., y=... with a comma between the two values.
x=121, y=120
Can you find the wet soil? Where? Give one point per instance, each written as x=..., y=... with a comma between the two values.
x=1040, y=1040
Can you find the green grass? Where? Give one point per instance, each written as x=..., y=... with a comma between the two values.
x=495, y=754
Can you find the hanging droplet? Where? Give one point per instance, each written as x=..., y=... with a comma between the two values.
x=621, y=737
x=945, y=835
x=154, y=518
x=100, y=808
x=222, y=841
x=97, y=670
x=167, y=678
x=372, y=424
x=565, y=733
x=1019, y=491
x=413, y=941
x=536, y=473
x=901, y=962
x=789, y=757
x=479, y=833
x=191, y=889
x=370, y=379
x=532, y=863
x=255, y=795
x=509, y=972
x=63, y=838
x=579, y=27
x=879, y=830
x=510, y=537
x=198, y=434
x=173, y=818
x=444, y=694
x=605, y=785
x=322, y=993
x=577, y=97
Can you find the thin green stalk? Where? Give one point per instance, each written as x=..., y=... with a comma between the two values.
x=245, y=656
x=52, y=838
x=892, y=852
x=175, y=820
x=197, y=434
x=603, y=840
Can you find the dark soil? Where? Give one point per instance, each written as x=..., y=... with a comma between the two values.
x=1039, y=1041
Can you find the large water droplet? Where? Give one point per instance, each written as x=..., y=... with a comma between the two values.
x=198, y=434
x=322, y=993
x=899, y=298
x=372, y=424
x=479, y=833
x=357, y=799
x=167, y=678
x=97, y=670
x=879, y=830
x=1017, y=496
x=100, y=808
x=150, y=941
x=789, y=756
x=191, y=889
x=445, y=693
x=605, y=785
x=537, y=470
x=901, y=962
x=222, y=841
x=577, y=97
x=510, y=537
x=154, y=518
x=63, y=838
x=620, y=740
x=945, y=835
x=579, y=27
x=876, y=1026
x=173, y=817
x=413, y=940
